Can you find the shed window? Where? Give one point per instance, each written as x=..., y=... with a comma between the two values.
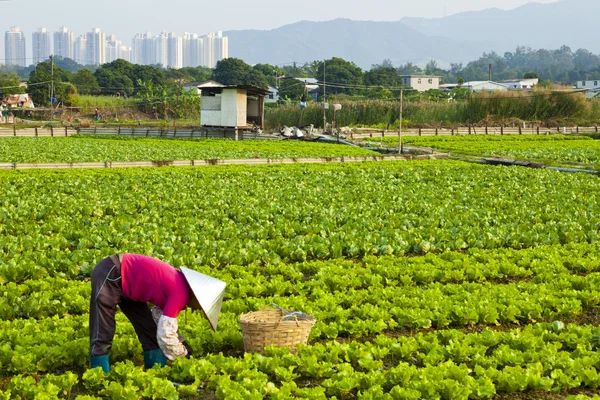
x=431, y=81
x=595, y=83
x=419, y=82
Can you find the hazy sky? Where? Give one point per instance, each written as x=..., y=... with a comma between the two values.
x=125, y=17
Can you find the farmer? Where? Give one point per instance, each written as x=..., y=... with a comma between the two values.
x=131, y=281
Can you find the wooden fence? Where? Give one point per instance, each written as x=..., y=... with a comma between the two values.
x=361, y=133
x=355, y=133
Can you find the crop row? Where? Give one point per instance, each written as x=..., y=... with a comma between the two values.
x=349, y=299
x=98, y=149
x=553, y=148
x=446, y=365
x=62, y=223
x=57, y=296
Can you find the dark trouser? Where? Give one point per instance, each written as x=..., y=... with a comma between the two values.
x=106, y=295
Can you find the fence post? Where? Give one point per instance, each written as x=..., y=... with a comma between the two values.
x=596, y=128
x=36, y=131
x=119, y=131
x=502, y=130
x=51, y=131
x=95, y=128
x=66, y=131
x=577, y=129
x=420, y=132
x=538, y=130
x=451, y=131
x=469, y=129
x=14, y=130
x=486, y=129
x=436, y=131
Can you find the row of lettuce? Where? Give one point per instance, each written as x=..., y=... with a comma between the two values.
x=126, y=148
x=61, y=223
x=565, y=149
x=330, y=241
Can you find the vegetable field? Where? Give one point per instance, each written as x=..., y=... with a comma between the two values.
x=429, y=280
x=552, y=148
x=115, y=148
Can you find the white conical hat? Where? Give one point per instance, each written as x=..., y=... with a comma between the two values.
x=208, y=294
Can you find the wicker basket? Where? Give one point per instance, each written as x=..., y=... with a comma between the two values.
x=275, y=326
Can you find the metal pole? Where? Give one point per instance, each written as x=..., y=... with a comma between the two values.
x=52, y=93
x=324, y=91
x=400, y=122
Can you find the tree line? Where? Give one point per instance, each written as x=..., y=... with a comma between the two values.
x=121, y=78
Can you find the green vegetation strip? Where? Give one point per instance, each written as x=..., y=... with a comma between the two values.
x=60, y=221
x=99, y=149
x=551, y=148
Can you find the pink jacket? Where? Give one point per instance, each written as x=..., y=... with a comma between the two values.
x=149, y=280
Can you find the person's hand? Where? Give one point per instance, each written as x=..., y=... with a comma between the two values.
x=187, y=346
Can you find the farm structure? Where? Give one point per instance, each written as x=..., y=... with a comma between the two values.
x=232, y=107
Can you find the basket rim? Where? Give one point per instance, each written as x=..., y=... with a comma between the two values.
x=243, y=319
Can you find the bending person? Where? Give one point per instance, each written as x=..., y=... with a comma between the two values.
x=131, y=281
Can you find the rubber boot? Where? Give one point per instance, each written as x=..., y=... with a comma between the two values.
x=100, y=361
x=152, y=357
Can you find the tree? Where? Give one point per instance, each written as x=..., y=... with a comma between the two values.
x=271, y=72
x=113, y=81
x=344, y=76
x=387, y=63
x=41, y=80
x=383, y=76
x=10, y=83
x=291, y=89
x=85, y=82
x=233, y=71
x=409, y=69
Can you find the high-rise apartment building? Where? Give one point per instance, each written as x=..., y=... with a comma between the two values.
x=142, y=49
x=221, y=47
x=40, y=45
x=209, y=51
x=80, y=50
x=63, y=43
x=14, y=47
x=174, y=51
x=95, y=47
x=161, y=47
x=192, y=50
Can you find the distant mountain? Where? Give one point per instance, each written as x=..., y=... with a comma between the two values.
x=363, y=42
x=460, y=37
x=575, y=23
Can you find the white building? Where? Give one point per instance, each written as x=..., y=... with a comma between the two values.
x=477, y=86
x=209, y=51
x=63, y=43
x=143, y=49
x=221, y=47
x=96, y=47
x=15, y=47
x=594, y=84
x=40, y=45
x=174, y=51
x=232, y=108
x=193, y=50
x=80, y=49
x=161, y=47
x=421, y=83
x=520, y=84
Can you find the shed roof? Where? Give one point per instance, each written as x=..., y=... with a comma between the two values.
x=216, y=86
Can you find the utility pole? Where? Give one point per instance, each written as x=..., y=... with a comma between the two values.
x=400, y=122
x=52, y=73
x=490, y=72
x=324, y=91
